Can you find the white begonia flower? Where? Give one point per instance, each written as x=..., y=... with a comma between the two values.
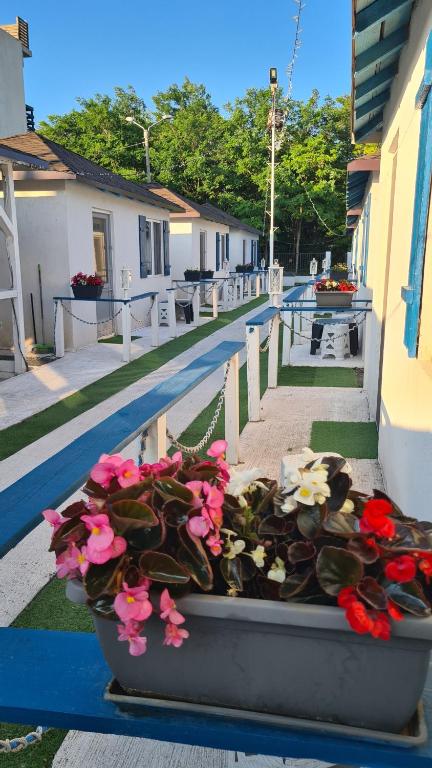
x=347, y=507
x=277, y=572
x=233, y=548
x=289, y=505
x=258, y=555
x=244, y=481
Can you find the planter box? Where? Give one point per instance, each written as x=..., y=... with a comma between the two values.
x=287, y=659
x=207, y=274
x=87, y=291
x=192, y=275
x=334, y=298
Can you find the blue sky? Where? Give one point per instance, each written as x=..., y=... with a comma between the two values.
x=80, y=48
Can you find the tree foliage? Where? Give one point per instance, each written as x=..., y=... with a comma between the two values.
x=207, y=154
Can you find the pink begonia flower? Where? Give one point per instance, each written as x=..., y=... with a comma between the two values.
x=224, y=470
x=214, y=496
x=196, y=487
x=174, y=635
x=72, y=562
x=99, y=557
x=128, y=473
x=214, y=543
x=200, y=525
x=130, y=632
x=101, y=533
x=53, y=518
x=133, y=603
x=104, y=471
x=217, y=449
x=168, y=609
x=216, y=516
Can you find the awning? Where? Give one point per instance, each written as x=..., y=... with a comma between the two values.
x=380, y=31
x=21, y=159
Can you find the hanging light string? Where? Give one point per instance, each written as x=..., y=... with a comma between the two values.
x=296, y=47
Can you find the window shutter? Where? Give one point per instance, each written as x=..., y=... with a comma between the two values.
x=252, y=252
x=217, y=251
x=142, y=245
x=412, y=294
x=227, y=246
x=257, y=253
x=166, y=254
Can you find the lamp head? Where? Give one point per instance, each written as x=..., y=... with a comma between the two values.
x=273, y=76
x=129, y=119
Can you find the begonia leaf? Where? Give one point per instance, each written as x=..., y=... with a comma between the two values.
x=130, y=514
x=232, y=571
x=374, y=594
x=309, y=521
x=410, y=597
x=158, y=566
x=169, y=488
x=295, y=584
x=368, y=553
x=339, y=487
x=300, y=551
x=337, y=568
x=103, y=579
x=275, y=526
x=341, y=524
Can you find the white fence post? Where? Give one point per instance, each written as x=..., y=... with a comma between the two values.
x=253, y=372
x=286, y=339
x=126, y=331
x=273, y=353
x=172, y=323
x=196, y=305
x=247, y=286
x=296, y=324
x=238, y=291
x=154, y=317
x=232, y=412
x=225, y=295
x=155, y=440
x=59, y=329
x=215, y=300
x=257, y=285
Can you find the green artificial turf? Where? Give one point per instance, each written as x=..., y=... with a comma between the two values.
x=116, y=339
x=352, y=439
x=50, y=609
x=17, y=436
x=309, y=376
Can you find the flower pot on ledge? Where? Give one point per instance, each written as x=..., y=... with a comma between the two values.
x=334, y=298
x=87, y=291
x=312, y=665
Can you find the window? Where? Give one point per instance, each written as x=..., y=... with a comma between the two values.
x=203, y=250
x=157, y=248
x=412, y=293
x=101, y=247
x=145, y=246
x=254, y=252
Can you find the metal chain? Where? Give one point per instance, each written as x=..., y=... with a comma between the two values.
x=196, y=448
x=309, y=338
x=143, y=323
x=22, y=742
x=266, y=346
x=88, y=322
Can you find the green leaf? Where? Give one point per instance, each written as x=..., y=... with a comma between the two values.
x=194, y=558
x=341, y=524
x=300, y=551
x=103, y=579
x=70, y=532
x=410, y=597
x=78, y=508
x=158, y=566
x=133, y=491
x=128, y=515
x=275, y=526
x=232, y=572
x=309, y=521
x=148, y=537
x=172, y=489
x=339, y=487
x=336, y=568
x=295, y=584
x=176, y=512
x=373, y=593
x=408, y=537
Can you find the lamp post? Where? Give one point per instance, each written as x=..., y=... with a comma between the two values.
x=273, y=88
x=146, y=132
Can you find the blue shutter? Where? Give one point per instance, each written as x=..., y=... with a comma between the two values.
x=166, y=257
x=257, y=253
x=217, y=251
x=142, y=245
x=412, y=293
x=227, y=246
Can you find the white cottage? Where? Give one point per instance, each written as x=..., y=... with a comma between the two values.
x=204, y=237
x=79, y=217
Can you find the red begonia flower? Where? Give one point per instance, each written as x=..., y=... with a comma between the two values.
x=402, y=569
x=394, y=611
x=358, y=618
x=346, y=596
x=381, y=627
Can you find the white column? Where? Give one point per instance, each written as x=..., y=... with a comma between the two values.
x=126, y=331
x=155, y=441
x=286, y=339
x=225, y=295
x=215, y=300
x=154, y=319
x=238, y=290
x=296, y=324
x=172, y=323
x=257, y=285
x=59, y=329
x=8, y=224
x=247, y=287
x=232, y=412
x=253, y=372
x=273, y=353
x=196, y=305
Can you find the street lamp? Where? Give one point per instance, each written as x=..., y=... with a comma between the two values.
x=146, y=131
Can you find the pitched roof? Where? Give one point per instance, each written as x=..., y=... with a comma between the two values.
x=71, y=165
x=191, y=209
x=21, y=159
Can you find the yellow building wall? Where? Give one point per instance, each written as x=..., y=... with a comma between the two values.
x=405, y=414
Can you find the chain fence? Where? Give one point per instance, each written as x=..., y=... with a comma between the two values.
x=17, y=744
x=352, y=321
x=145, y=322
x=81, y=319
x=266, y=346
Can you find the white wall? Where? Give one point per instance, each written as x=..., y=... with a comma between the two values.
x=236, y=246
x=405, y=444
x=12, y=99
x=210, y=227
x=181, y=248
